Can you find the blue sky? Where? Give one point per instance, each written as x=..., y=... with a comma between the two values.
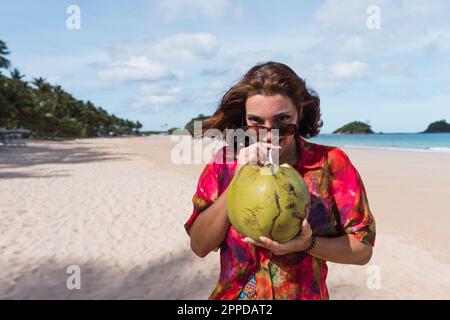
x=163, y=62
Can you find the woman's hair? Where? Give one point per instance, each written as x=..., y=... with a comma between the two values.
x=268, y=78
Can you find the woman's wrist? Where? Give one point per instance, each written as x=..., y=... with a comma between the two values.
x=312, y=244
x=301, y=245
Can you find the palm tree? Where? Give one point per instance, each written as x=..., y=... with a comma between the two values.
x=39, y=82
x=49, y=111
x=60, y=97
x=4, y=63
x=16, y=75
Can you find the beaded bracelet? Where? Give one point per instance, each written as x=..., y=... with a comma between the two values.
x=312, y=245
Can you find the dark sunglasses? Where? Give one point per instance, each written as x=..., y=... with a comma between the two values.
x=285, y=130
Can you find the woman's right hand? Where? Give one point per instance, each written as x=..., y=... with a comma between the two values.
x=256, y=154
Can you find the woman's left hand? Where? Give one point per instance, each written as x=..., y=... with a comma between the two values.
x=299, y=243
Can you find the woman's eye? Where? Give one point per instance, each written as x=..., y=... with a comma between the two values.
x=253, y=120
x=284, y=118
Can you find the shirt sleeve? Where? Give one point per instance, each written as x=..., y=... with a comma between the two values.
x=206, y=193
x=349, y=194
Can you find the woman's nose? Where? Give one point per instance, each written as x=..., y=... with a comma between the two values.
x=268, y=136
x=268, y=124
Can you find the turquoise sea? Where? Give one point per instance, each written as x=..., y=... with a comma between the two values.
x=421, y=142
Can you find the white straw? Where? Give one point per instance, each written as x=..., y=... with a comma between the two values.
x=271, y=162
x=270, y=156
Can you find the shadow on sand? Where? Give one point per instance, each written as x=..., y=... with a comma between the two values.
x=43, y=153
x=48, y=281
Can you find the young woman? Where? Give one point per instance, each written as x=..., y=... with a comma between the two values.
x=340, y=227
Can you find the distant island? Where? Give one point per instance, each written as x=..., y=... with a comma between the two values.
x=438, y=127
x=355, y=127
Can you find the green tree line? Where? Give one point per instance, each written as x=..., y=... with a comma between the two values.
x=49, y=111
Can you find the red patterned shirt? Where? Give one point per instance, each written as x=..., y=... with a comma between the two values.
x=339, y=206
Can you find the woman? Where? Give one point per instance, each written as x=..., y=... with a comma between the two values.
x=340, y=227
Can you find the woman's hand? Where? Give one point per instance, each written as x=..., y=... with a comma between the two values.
x=299, y=243
x=257, y=154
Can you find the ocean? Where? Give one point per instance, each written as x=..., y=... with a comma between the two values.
x=420, y=142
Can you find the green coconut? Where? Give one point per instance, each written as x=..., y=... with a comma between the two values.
x=269, y=201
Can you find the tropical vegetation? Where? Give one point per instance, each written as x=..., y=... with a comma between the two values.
x=49, y=111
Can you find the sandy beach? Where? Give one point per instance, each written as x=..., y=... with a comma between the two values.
x=116, y=208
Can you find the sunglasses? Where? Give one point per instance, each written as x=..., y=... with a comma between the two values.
x=285, y=130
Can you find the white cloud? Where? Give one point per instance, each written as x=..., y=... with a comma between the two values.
x=187, y=46
x=403, y=95
x=337, y=47
x=421, y=8
x=352, y=16
x=213, y=72
x=218, y=84
x=349, y=16
x=214, y=10
x=244, y=60
x=136, y=68
x=335, y=76
x=397, y=68
x=352, y=45
x=156, y=96
x=402, y=25
x=154, y=62
x=349, y=71
x=215, y=89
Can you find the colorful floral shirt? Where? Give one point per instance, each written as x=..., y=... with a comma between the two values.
x=339, y=206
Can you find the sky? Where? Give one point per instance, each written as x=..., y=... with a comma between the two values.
x=163, y=62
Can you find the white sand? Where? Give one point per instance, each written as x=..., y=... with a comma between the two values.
x=116, y=208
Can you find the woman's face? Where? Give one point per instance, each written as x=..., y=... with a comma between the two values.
x=271, y=111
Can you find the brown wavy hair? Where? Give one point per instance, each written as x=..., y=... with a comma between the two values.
x=268, y=78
